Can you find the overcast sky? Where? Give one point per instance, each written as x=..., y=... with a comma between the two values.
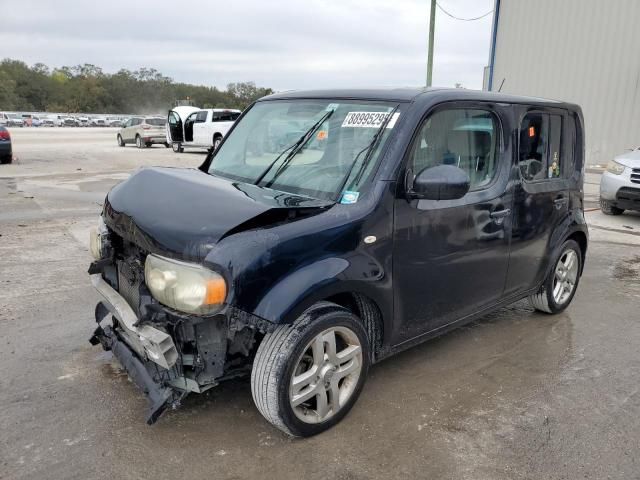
x=283, y=44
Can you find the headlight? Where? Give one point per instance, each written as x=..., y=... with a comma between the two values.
x=184, y=286
x=615, y=167
x=97, y=239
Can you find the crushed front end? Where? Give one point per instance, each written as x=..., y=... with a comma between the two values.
x=167, y=353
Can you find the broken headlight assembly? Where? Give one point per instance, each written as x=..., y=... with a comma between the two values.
x=98, y=240
x=185, y=287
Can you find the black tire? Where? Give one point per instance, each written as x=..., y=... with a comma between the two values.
x=139, y=143
x=177, y=147
x=166, y=145
x=6, y=159
x=280, y=354
x=217, y=140
x=120, y=141
x=544, y=300
x=609, y=209
x=148, y=144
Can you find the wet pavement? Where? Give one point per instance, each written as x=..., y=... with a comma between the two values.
x=516, y=395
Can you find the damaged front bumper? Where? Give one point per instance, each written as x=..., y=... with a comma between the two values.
x=146, y=353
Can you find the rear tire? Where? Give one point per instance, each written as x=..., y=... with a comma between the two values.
x=609, y=209
x=148, y=144
x=6, y=159
x=561, y=283
x=217, y=140
x=139, y=143
x=326, y=351
x=120, y=141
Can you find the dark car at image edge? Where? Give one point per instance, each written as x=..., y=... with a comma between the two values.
x=6, y=150
x=330, y=230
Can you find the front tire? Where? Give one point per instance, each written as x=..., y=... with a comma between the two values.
x=177, y=147
x=308, y=375
x=561, y=284
x=120, y=141
x=609, y=209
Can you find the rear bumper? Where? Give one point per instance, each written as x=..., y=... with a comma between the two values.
x=154, y=138
x=5, y=149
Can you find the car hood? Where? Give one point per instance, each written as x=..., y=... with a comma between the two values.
x=183, y=213
x=629, y=159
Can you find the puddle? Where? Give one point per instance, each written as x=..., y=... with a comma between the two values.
x=627, y=269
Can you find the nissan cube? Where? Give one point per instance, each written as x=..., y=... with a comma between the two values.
x=330, y=230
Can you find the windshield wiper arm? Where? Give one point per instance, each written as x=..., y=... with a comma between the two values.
x=369, y=149
x=294, y=149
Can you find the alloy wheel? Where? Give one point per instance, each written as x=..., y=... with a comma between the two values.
x=326, y=375
x=566, y=274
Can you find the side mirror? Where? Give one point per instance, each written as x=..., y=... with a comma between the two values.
x=442, y=182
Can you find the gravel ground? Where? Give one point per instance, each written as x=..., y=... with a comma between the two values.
x=516, y=395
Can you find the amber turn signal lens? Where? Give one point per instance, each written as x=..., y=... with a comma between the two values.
x=216, y=291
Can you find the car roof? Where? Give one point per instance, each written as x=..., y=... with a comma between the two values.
x=410, y=94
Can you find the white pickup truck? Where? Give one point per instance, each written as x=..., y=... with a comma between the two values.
x=198, y=128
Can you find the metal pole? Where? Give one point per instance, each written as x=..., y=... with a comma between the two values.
x=432, y=25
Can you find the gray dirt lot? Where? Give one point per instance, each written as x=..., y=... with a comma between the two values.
x=515, y=395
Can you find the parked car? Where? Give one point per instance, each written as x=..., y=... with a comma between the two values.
x=143, y=132
x=6, y=152
x=15, y=120
x=70, y=122
x=114, y=122
x=98, y=122
x=82, y=121
x=36, y=121
x=392, y=217
x=193, y=127
x=48, y=121
x=620, y=184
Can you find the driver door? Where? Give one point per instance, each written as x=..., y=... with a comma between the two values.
x=175, y=127
x=450, y=257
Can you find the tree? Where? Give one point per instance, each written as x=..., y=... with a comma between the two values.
x=87, y=88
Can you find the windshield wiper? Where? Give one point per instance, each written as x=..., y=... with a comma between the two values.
x=294, y=149
x=369, y=149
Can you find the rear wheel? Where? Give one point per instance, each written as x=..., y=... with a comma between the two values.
x=609, y=209
x=139, y=143
x=120, y=141
x=307, y=376
x=6, y=159
x=560, y=286
x=177, y=147
x=217, y=140
x=148, y=144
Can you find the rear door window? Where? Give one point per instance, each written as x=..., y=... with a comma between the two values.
x=540, y=150
x=201, y=117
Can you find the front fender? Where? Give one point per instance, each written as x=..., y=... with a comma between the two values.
x=288, y=298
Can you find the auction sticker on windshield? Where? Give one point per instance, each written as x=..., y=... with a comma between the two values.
x=368, y=119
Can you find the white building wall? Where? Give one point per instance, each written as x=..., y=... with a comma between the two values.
x=581, y=51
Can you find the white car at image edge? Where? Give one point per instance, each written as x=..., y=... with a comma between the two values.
x=620, y=184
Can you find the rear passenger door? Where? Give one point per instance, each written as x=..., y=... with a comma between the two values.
x=201, y=130
x=544, y=163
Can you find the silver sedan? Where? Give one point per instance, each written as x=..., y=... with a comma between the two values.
x=620, y=184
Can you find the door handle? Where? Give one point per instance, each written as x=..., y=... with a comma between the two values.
x=500, y=214
x=560, y=201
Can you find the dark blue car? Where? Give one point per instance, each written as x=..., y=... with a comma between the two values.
x=6, y=151
x=330, y=230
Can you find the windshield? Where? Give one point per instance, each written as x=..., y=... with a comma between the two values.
x=308, y=147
